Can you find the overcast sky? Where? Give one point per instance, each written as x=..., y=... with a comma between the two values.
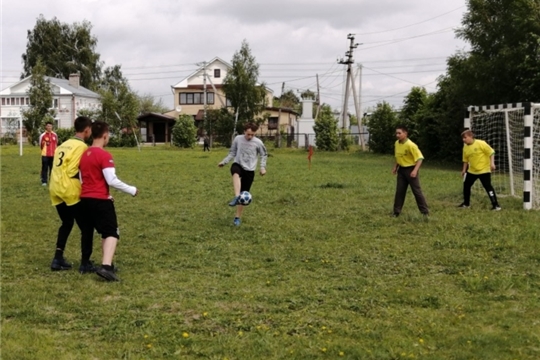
x=158, y=42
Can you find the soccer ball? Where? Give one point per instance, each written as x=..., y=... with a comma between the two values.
x=244, y=198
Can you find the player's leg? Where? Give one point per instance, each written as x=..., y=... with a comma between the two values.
x=467, y=185
x=236, y=172
x=245, y=185
x=418, y=194
x=485, y=179
x=107, y=226
x=44, y=165
x=85, y=221
x=50, y=161
x=67, y=218
x=401, y=191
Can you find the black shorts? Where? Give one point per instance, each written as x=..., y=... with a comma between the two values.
x=246, y=177
x=101, y=215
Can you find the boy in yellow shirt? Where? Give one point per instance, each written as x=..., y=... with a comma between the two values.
x=408, y=162
x=65, y=192
x=478, y=163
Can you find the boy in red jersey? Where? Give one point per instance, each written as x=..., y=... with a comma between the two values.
x=97, y=174
x=48, y=141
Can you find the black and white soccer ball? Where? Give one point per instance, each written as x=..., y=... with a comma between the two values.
x=244, y=198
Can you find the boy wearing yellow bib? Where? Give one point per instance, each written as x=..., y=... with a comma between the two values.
x=478, y=163
x=408, y=162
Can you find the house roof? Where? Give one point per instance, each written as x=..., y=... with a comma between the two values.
x=217, y=58
x=62, y=83
x=283, y=109
x=153, y=115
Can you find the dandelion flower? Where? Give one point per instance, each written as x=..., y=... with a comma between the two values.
x=149, y=346
x=421, y=341
x=341, y=353
x=185, y=335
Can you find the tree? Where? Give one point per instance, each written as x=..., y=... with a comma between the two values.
x=64, y=50
x=412, y=104
x=148, y=104
x=184, y=132
x=241, y=88
x=222, y=125
x=326, y=130
x=120, y=107
x=41, y=99
x=381, y=125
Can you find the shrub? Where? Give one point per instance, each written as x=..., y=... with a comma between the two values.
x=184, y=132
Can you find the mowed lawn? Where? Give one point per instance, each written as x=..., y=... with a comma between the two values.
x=318, y=270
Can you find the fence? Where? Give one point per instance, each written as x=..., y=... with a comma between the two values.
x=304, y=140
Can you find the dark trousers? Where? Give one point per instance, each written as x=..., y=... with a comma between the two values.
x=485, y=179
x=46, y=167
x=206, y=147
x=404, y=179
x=69, y=215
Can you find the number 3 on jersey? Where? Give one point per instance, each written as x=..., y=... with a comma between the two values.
x=61, y=158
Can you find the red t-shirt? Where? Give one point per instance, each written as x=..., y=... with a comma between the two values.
x=93, y=161
x=48, y=141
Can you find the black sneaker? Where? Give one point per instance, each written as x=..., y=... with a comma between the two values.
x=87, y=268
x=395, y=214
x=60, y=264
x=107, y=274
x=463, y=206
x=496, y=208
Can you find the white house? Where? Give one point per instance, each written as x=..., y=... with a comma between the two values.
x=68, y=98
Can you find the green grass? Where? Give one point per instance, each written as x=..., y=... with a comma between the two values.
x=318, y=269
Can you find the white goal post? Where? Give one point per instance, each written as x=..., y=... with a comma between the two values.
x=513, y=131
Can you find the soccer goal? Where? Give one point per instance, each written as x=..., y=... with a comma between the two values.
x=513, y=131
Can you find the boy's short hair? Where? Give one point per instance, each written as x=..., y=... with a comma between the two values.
x=254, y=127
x=99, y=128
x=81, y=123
x=467, y=132
x=402, y=128
x=48, y=123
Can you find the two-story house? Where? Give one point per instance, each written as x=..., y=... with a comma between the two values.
x=189, y=98
x=68, y=98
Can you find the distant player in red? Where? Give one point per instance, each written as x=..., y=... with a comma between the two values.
x=97, y=174
x=48, y=141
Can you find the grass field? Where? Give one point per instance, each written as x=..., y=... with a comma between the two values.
x=318, y=269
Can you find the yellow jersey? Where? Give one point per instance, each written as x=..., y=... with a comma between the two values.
x=65, y=185
x=478, y=156
x=407, y=154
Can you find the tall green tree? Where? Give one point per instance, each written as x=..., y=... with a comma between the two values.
x=412, y=104
x=220, y=125
x=64, y=49
x=120, y=107
x=503, y=64
x=148, y=104
x=41, y=98
x=381, y=125
x=242, y=89
x=326, y=130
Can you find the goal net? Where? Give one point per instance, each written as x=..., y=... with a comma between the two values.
x=513, y=131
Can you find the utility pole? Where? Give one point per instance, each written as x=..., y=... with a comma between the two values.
x=318, y=99
x=204, y=100
x=348, y=61
x=357, y=109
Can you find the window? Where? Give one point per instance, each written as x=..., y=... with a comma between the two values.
x=3, y=101
x=55, y=103
x=16, y=101
x=196, y=98
x=22, y=101
x=228, y=103
x=272, y=123
x=7, y=101
x=27, y=101
x=217, y=73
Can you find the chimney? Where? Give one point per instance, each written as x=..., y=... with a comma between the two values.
x=307, y=108
x=74, y=80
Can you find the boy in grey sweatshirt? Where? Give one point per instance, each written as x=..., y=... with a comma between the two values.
x=244, y=150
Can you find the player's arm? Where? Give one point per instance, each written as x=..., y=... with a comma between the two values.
x=110, y=176
x=41, y=141
x=488, y=150
x=419, y=158
x=395, y=168
x=264, y=156
x=232, y=153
